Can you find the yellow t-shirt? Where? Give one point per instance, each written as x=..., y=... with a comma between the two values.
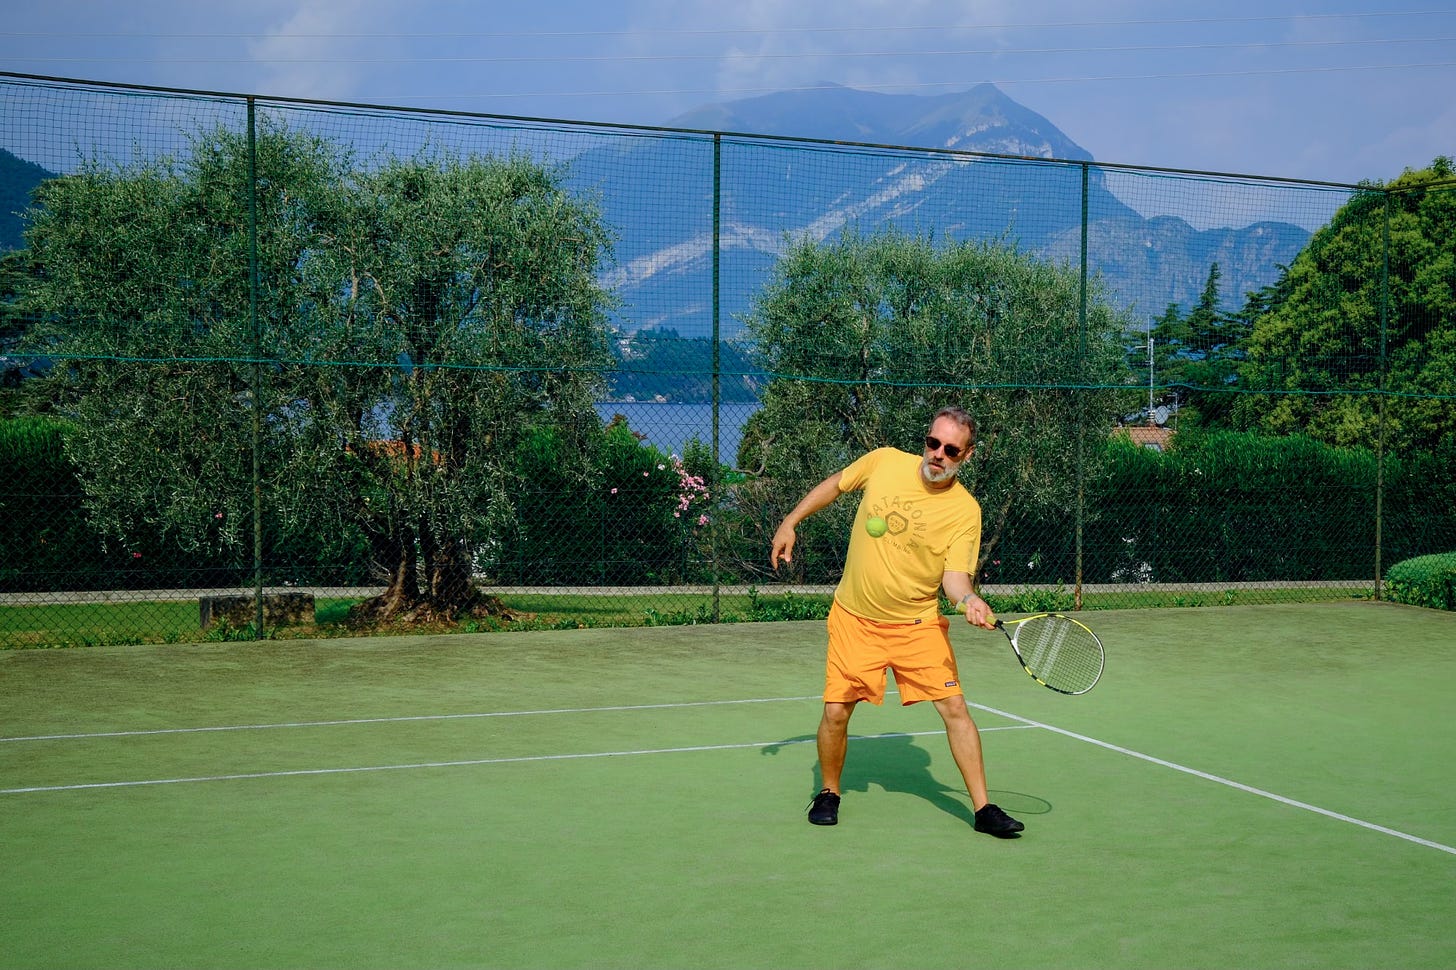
x=895, y=577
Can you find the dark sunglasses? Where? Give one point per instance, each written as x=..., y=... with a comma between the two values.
x=933, y=443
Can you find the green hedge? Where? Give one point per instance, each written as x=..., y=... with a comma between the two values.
x=1236, y=507
x=1428, y=581
x=47, y=541
x=43, y=530
x=1216, y=508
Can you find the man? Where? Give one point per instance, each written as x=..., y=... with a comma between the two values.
x=917, y=531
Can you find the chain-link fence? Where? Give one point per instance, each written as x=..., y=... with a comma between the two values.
x=421, y=370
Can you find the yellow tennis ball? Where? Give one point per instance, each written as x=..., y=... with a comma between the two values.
x=876, y=526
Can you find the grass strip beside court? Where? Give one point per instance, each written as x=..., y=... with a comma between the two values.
x=142, y=621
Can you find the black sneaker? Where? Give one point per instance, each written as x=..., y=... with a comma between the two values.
x=991, y=820
x=824, y=809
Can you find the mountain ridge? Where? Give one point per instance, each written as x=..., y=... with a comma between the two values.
x=969, y=165
x=872, y=117
x=962, y=166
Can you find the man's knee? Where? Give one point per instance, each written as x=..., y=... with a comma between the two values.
x=836, y=715
x=953, y=709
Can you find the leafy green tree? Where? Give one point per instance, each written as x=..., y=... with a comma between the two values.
x=1204, y=321
x=17, y=269
x=866, y=336
x=619, y=529
x=1215, y=404
x=1346, y=348
x=462, y=275
x=1196, y=356
x=143, y=300
x=402, y=312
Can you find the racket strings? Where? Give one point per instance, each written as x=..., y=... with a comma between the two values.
x=1061, y=653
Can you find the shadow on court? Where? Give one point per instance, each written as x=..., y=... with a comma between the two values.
x=896, y=763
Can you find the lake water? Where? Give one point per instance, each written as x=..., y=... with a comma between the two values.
x=670, y=426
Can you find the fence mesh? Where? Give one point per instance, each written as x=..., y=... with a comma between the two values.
x=416, y=369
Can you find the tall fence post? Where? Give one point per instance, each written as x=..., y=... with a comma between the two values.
x=715, y=480
x=1081, y=395
x=257, y=371
x=1380, y=378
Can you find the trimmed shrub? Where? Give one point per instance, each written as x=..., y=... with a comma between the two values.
x=43, y=530
x=1428, y=581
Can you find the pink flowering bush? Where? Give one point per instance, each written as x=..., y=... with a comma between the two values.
x=692, y=496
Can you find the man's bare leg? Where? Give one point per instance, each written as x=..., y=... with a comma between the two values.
x=965, y=746
x=833, y=742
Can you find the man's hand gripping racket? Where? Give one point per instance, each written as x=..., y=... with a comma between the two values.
x=1057, y=651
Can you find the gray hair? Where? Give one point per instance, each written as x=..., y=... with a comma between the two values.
x=960, y=416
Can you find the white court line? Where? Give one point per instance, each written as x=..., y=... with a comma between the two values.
x=1222, y=781
x=401, y=720
x=1024, y=722
x=463, y=764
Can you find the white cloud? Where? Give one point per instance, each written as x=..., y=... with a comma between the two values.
x=1296, y=111
x=310, y=53
x=765, y=45
x=1413, y=144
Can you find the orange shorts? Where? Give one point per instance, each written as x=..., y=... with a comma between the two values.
x=860, y=651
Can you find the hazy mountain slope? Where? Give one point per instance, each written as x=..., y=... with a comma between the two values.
x=18, y=178
x=773, y=190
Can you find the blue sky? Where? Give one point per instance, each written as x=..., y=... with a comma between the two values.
x=1323, y=90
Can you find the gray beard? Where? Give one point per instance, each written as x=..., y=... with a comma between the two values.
x=936, y=477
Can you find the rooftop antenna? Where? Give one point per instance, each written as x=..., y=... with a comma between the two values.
x=1150, y=372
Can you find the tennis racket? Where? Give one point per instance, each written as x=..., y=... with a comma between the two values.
x=1057, y=651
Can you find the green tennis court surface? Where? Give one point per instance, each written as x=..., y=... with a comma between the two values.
x=1247, y=787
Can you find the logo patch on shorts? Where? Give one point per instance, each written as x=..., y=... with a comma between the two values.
x=951, y=683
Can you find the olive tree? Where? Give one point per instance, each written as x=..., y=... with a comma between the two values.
x=143, y=299
x=864, y=337
x=408, y=320
x=469, y=292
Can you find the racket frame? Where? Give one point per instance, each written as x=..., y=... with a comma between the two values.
x=1011, y=638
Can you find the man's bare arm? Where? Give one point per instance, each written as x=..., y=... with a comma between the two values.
x=820, y=496
x=958, y=590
